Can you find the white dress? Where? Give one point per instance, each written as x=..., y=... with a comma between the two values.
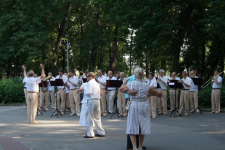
x=139, y=112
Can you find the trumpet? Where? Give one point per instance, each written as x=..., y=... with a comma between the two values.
x=47, y=78
x=211, y=80
x=176, y=76
x=68, y=75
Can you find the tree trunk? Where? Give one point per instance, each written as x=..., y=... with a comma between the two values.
x=222, y=57
x=61, y=32
x=183, y=20
x=203, y=60
x=113, y=60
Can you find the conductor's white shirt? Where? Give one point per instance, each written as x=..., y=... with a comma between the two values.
x=162, y=85
x=64, y=78
x=74, y=80
x=25, y=80
x=188, y=81
x=103, y=80
x=111, y=88
x=32, y=84
x=93, y=90
x=215, y=85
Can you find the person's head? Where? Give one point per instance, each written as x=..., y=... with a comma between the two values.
x=161, y=72
x=110, y=74
x=138, y=73
x=173, y=74
x=136, y=66
x=49, y=74
x=192, y=73
x=216, y=72
x=122, y=75
x=150, y=75
x=65, y=74
x=60, y=71
x=71, y=73
x=184, y=74
x=90, y=75
x=100, y=72
x=31, y=73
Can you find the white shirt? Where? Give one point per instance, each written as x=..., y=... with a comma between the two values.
x=111, y=88
x=188, y=81
x=163, y=86
x=152, y=82
x=177, y=78
x=64, y=78
x=32, y=84
x=103, y=80
x=25, y=80
x=51, y=88
x=84, y=86
x=74, y=80
x=93, y=90
x=67, y=90
x=193, y=86
x=141, y=86
x=215, y=85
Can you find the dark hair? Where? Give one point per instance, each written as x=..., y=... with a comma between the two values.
x=72, y=71
x=60, y=70
x=151, y=73
x=216, y=71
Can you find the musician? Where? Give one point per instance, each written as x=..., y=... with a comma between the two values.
x=138, y=120
x=61, y=93
x=162, y=101
x=152, y=99
x=216, y=91
x=193, y=93
x=172, y=92
x=67, y=98
x=121, y=98
x=185, y=94
x=74, y=96
x=111, y=92
x=44, y=97
x=102, y=82
x=32, y=94
x=51, y=90
x=93, y=114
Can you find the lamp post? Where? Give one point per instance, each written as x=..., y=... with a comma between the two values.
x=67, y=35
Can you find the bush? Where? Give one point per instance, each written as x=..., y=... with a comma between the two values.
x=11, y=90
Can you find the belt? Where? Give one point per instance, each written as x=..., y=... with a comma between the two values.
x=138, y=99
x=185, y=89
x=172, y=89
x=111, y=90
x=73, y=89
x=25, y=87
x=61, y=89
x=32, y=92
x=216, y=88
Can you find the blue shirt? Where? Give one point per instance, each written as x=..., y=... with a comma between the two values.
x=131, y=78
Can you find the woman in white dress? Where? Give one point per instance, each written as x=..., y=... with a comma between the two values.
x=138, y=120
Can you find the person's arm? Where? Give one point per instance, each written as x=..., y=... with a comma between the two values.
x=218, y=80
x=24, y=71
x=123, y=87
x=101, y=93
x=89, y=89
x=102, y=83
x=155, y=92
x=42, y=71
x=81, y=89
x=72, y=83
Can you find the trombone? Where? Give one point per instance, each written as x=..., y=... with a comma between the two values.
x=211, y=80
x=175, y=76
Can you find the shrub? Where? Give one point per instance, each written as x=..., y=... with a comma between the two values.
x=11, y=90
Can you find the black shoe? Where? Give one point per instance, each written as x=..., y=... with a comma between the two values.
x=98, y=135
x=88, y=136
x=144, y=147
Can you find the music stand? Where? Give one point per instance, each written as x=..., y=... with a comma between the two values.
x=115, y=83
x=57, y=82
x=45, y=85
x=174, y=84
x=199, y=82
x=84, y=80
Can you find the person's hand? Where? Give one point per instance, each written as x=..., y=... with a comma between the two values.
x=132, y=92
x=125, y=82
x=24, y=67
x=160, y=94
x=42, y=66
x=68, y=80
x=181, y=81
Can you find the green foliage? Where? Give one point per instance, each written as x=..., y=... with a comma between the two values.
x=11, y=90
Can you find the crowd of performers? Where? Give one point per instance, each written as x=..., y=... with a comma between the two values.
x=139, y=99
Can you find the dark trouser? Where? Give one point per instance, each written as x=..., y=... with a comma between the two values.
x=129, y=143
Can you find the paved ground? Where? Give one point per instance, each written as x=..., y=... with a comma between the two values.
x=51, y=133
